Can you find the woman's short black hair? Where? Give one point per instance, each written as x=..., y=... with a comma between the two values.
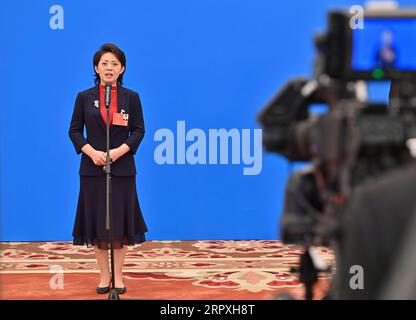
x=109, y=47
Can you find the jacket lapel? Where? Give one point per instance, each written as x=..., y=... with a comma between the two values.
x=121, y=98
x=95, y=96
x=121, y=103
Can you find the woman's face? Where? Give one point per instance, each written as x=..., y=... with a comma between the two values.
x=109, y=68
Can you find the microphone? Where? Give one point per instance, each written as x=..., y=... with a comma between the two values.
x=107, y=98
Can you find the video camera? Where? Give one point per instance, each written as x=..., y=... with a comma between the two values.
x=356, y=139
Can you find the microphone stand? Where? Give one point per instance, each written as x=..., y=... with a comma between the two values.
x=113, y=295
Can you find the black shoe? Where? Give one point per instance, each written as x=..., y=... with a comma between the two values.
x=121, y=290
x=103, y=290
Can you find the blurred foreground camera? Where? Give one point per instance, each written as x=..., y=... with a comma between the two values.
x=355, y=140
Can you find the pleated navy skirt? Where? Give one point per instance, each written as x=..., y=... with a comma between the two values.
x=128, y=226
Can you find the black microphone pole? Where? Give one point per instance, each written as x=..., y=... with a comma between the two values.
x=113, y=295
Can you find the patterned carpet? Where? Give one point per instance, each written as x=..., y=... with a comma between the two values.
x=226, y=270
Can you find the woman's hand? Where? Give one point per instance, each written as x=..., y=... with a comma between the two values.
x=98, y=157
x=119, y=152
x=115, y=154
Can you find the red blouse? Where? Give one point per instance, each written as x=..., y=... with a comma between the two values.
x=113, y=103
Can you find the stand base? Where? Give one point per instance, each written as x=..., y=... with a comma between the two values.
x=113, y=295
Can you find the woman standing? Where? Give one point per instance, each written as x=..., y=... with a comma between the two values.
x=126, y=133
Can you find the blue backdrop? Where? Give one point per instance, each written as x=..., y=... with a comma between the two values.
x=213, y=64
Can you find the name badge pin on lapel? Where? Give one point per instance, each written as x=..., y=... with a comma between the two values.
x=97, y=103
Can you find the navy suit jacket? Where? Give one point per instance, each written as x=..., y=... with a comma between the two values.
x=87, y=114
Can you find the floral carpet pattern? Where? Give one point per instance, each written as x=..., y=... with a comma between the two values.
x=240, y=269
